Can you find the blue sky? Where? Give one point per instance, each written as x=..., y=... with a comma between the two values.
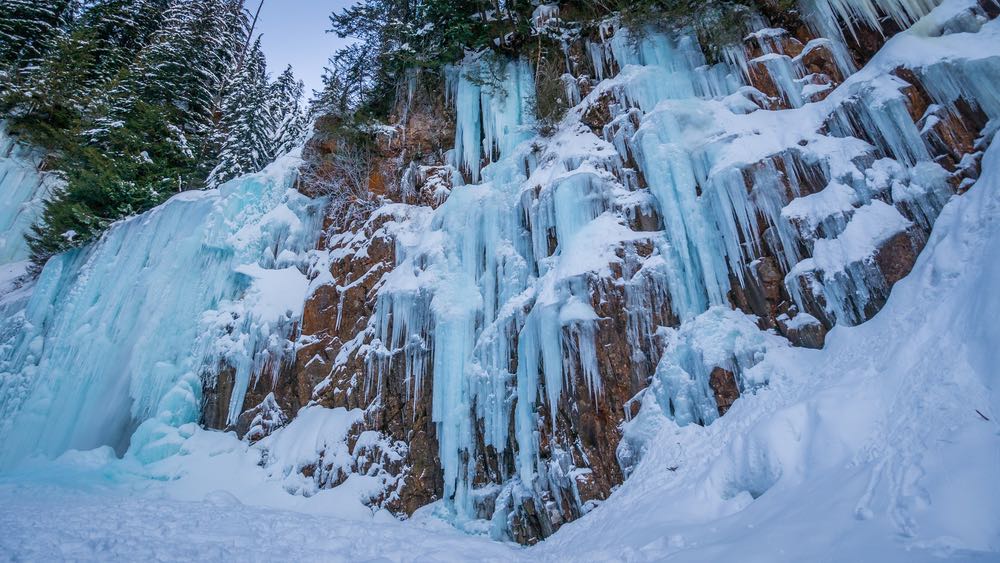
x=295, y=33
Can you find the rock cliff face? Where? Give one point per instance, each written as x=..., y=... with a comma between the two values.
x=786, y=187
x=335, y=362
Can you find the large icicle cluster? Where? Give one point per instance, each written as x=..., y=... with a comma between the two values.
x=684, y=199
x=113, y=344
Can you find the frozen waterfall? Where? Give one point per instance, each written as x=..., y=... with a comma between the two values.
x=497, y=295
x=22, y=192
x=116, y=337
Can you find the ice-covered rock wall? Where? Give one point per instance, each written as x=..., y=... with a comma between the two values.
x=118, y=338
x=684, y=218
x=507, y=330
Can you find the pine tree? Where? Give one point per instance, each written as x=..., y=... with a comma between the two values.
x=333, y=98
x=59, y=91
x=247, y=124
x=185, y=67
x=47, y=101
x=28, y=28
x=396, y=36
x=162, y=74
x=120, y=30
x=287, y=112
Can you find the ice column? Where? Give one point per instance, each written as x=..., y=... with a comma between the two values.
x=23, y=190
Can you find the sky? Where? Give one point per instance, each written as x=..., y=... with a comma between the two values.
x=295, y=33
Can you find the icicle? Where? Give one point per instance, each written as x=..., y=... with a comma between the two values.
x=468, y=124
x=467, y=268
x=598, y=58
x=655, y=68
x=825, y=14
x=118, y=334
x=973, y=81
x=880, y=114
x=786, y=74
x=491, y=106
x=562, y=209
x=718, y=338
x=23, y=190
x=699, y=275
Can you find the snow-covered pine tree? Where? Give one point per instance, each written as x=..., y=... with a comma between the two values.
x=48, y=96
x=185, y=68
x=64, y=87
x=394, y=36
x=287, y=112
x=119, y=31
x=150, y=133
x=247, y=126
x=28, y=27
x=332, y=99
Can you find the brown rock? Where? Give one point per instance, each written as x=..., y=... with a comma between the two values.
x=725, y=388
x=818, y=59
x=917, y=98
x=260, y=421
x=778, y=40
x=805, y=333
x=215, y=400
x=990, y=8
x=897, y=256
x=863, y=42
x=588, y=422
x=779, y=14
x=265, y=393
x=644, y=219
x=333, y=317
x=598, y=114
x=761, y=79
x=336, y=317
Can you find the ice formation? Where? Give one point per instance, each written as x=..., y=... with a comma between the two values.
x=495, y=296
x=23, y=189
x=496, y=292
x=112, y=347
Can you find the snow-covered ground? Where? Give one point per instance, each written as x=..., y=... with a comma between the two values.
x=47, y=524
